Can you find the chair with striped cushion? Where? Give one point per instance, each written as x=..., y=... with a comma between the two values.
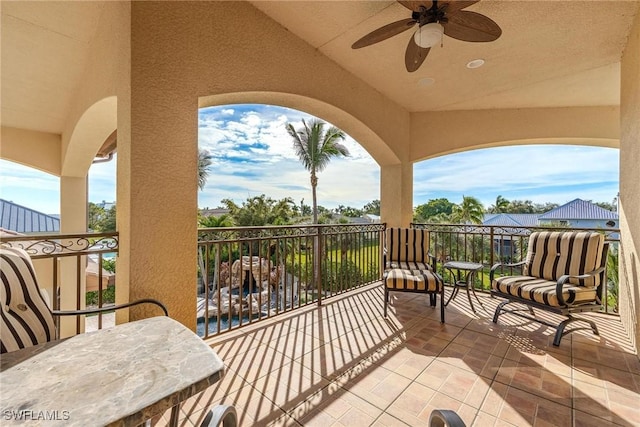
x=25, y=318
x=408, y=267
x=563, y=273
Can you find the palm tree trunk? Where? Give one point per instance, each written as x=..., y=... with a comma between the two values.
x=314, y=184
x=317, y=265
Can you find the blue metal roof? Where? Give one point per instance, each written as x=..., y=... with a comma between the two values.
x=20, y=219
x=579, y=209
x=509, y=219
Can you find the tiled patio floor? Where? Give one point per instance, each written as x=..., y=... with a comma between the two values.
x=344, y=364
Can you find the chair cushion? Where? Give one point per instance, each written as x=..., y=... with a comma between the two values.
x=551, y=255
x=25, y=317
x=407, y=244
x=412, y=280
x=408, y=265
x=542, y=291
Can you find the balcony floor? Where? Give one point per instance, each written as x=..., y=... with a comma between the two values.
x=344, y=364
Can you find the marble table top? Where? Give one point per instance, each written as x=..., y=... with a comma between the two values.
x=120, y=376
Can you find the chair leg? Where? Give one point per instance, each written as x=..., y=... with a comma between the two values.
x=442, y=305
x=386, y=300
x=560, y=329
x=499, y=310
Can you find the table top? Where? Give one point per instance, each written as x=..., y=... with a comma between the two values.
x=118, y=376
x=463, y=265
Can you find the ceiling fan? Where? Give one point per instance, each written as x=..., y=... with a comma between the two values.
x=434, y=18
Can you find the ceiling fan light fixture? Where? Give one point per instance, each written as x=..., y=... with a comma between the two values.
x=429, y=35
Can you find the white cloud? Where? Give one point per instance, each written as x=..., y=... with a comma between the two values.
x=253, y=155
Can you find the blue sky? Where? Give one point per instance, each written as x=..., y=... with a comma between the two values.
x=253, y=155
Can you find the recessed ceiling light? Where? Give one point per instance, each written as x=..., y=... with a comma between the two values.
x=426, y=81
x=476, y=63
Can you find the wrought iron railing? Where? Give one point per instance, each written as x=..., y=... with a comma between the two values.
x=247, y=274
x=61, y=262
x=487, y=244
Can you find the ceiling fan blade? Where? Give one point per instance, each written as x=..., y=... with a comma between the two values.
x=415, y=5
x=414, y=56
x=384, y=33
x=456, y=5
x=471, y=27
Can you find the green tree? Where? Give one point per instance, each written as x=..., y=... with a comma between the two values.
x=544, y=207
x=261, y=210
x=469, y=211
x=521, y=206
x=224, y=220
x=351, y=212
x=108, y=223
x=204, y=162
x=315, y=147
x=96, y=215
x=433, y=208
x=500, y=206
x=372, y=207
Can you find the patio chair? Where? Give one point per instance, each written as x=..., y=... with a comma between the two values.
x=408, y=268
x=563, y=273
x=26, y=318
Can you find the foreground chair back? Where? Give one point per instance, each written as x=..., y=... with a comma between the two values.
x=563, y=273
x=25, y=318
x=408, y=267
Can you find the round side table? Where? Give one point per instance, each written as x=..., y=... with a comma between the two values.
x=463, y=273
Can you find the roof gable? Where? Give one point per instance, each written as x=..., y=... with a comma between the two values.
x=513, y=220
x=578, y=209
x=21, y=219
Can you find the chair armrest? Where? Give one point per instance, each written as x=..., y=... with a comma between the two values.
x=434, y=262
x=497, y=265
x=111, y=308
x=445, y=418
x=565, y=278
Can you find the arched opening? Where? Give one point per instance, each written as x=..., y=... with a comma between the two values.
x=541, y=173
x=252, y=155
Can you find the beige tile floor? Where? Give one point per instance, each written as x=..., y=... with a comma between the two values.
x=344, y=364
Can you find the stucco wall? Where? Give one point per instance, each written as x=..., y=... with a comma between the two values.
x=437, y=133
x=40, y=150
x=182, y=52
x=629, y=270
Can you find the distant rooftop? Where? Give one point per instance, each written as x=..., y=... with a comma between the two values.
x=573, y=210
x=509, y=219
x=578, y=209
x=214, y=212
x=20, y=219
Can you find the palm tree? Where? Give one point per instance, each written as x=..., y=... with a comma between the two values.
x=204, y=161
x=469, y=211
x=211, y=222
x=500, y=206
x=315, y=148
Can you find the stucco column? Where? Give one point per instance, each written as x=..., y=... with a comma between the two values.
x=158, y=221
x=629, y=267
x=73, y=219
x=396, y=194
x=157, y=175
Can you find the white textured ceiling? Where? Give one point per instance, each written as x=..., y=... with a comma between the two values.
x=551, y=53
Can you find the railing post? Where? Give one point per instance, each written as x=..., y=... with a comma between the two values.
x=317, y=263
x=491, y=245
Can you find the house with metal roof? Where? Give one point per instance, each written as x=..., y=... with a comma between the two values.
x=577, y=213
x=580, y=213
x=21, y=219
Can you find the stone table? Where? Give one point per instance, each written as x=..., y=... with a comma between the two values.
x=120, y=376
